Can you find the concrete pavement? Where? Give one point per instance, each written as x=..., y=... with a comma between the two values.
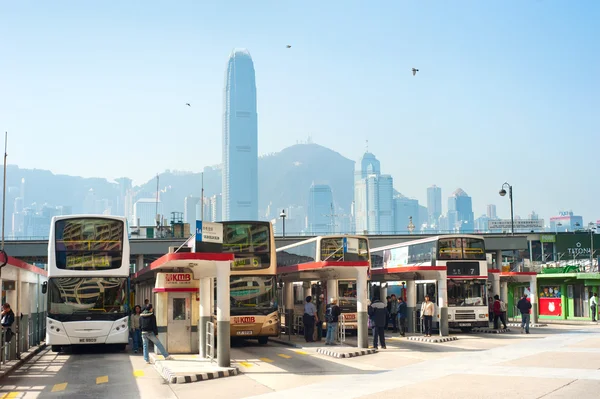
x=553, y=362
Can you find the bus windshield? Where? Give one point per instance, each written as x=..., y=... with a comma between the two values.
x=89, y=244
x=332, y=249
x=466, y=293
x=461, y=248
x=251, y=244
x=253, y=294
x=76, y=298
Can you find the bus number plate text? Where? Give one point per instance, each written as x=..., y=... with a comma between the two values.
x=87, y=340
x=464, y=324
x=244, y=333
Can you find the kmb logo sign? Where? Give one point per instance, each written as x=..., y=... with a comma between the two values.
x=244, y=320
x=178, y=277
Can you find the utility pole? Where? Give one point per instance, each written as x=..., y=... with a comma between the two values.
x=157, y=216
x=4, y=255
x=202, y=199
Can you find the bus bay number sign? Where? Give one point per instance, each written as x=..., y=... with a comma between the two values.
x=463, y=269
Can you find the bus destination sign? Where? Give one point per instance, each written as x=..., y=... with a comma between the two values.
x=463, y=269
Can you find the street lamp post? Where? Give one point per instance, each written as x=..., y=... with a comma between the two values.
x=591, y=226
x=510, y=197
x=283, y=216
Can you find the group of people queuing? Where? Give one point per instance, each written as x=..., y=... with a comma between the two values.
x=312, y=317
x=143, y=329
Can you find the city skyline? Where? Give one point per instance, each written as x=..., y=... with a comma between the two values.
x=480, y=81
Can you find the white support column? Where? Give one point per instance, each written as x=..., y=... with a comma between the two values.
x=496, y=285
x=205, y=316
x=288, y=303
x=139, y=263
x=383, y=291
x=24, y=305
x=361, y=307
x=533, y=299
x=443, y=303
x=411, y=304
x=504, y=291
x=499, y=264
x=332, y=289
x=223, y=314
x=307, y=292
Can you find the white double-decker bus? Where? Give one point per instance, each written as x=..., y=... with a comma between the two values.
x=461, y=257
x=88, y=281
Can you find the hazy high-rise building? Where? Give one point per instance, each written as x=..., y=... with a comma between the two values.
x=491, y=212
x=434, y=204
x=405, y=209
x=240, y=139
x=145, y=210
x=373, y=198
x=189, y=210
x=216, y=208
x=460, y=212
x=320, y=210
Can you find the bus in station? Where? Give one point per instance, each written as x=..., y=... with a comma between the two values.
x=330, y=249
x=88, y=281
x=462, y=258
x=253, y=289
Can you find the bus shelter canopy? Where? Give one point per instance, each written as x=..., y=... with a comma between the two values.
x=202, y=264
x=322, y=270
x=411, y=273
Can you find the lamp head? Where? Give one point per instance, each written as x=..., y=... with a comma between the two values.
x=282, y=214
x=502, y=192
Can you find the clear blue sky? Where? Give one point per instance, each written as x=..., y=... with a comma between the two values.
x=507, y=90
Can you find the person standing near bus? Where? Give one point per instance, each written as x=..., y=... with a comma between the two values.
x=402, y=316
x=150, y=333
x=7, y=320
x=427, y=311
x=332, y=317
x=309, y=319
x=594, y=305
x=379, y=314
x=394, y=312
x=136, y=332
x=524, y=307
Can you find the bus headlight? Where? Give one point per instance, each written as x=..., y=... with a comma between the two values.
x=483, y=316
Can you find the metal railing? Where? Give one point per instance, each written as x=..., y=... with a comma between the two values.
x=210, y=341
x=24, y=335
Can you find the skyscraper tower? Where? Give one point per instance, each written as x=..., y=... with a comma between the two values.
x=434, y=204
x=240, y=139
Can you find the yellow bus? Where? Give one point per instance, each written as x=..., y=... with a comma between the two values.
x=254, y=312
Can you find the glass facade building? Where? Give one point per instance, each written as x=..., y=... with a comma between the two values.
x=240, y=139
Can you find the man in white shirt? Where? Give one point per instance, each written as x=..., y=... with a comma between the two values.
x=594, y=305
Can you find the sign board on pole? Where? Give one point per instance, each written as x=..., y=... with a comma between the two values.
x=523, y=224
x=209, y=232
x=547, y=238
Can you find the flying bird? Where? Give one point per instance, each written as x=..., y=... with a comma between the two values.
x=188, y=104
x=289, y=46
x=414, y=71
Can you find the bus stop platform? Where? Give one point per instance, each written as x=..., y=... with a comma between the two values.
x=184, y=369
x=345, y=350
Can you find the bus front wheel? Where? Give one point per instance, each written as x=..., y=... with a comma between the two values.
x=263, y=340
x=56, y=348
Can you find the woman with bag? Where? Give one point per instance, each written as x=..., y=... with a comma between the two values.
x=427, y=311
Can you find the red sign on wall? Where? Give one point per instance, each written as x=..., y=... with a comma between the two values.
x=550, y=307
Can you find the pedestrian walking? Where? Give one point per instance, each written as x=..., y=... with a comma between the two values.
x=594, y=305
x=402, y=316
x=332, y=317
x=150, y=333
x=524, y=307
x=136, y=332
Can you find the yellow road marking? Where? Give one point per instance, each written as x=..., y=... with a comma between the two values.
x=284, y=356
x=102, y=380
x=59, y=387
x=301, y=352
x=10, y=395
x=138, y=373
x=266, y=360
x=245, y=364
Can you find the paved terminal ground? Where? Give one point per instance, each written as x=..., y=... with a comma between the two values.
x=551, y=362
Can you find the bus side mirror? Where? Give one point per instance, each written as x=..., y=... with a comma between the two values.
x=44, y=287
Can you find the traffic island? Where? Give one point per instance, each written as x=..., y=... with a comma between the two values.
x=345, y=352
x=531, y=325
x=491, y=330
x=433, y=340
x=184, y=369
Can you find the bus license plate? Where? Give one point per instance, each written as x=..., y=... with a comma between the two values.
x=244, y=333
x=464, y=324
x=87, y=340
